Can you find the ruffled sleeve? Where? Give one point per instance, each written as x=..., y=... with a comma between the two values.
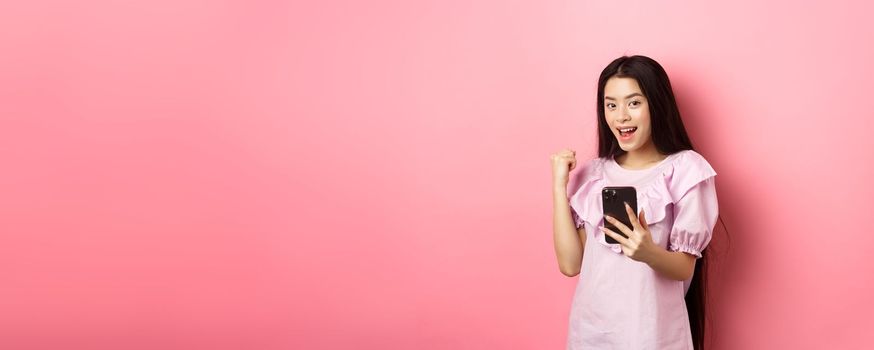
x=578, y=222
x=583, y=192
x=693, y=188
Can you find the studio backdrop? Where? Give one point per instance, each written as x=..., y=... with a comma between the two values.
x=375, y=174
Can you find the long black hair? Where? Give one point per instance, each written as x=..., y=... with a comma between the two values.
x=669, y=136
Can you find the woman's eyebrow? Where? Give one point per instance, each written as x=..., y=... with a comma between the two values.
x=626, y=97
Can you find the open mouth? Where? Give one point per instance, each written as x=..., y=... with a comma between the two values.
x=627, y=131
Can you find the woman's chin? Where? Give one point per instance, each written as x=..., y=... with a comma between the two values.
x=627, y=146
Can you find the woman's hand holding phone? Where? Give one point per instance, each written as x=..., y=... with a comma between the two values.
x=639, y=244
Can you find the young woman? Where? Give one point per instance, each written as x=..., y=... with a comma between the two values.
x=645, y=292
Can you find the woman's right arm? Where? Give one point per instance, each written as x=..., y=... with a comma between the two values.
x=569, y=242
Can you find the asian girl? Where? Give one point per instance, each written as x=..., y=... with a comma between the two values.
x=647, y=290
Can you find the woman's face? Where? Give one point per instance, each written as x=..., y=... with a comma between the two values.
x=627, y=113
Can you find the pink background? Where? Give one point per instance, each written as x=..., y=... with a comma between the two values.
x=375, y=174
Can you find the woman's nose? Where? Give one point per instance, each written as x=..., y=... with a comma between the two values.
x=623, y=115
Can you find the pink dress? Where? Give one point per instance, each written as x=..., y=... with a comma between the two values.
x=620, y=303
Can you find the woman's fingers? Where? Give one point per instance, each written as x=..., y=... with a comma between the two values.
x=619, y=225
x=572, y=161
x=633, y=218
x=619, y=238
x=562, y=163
x=637, y=239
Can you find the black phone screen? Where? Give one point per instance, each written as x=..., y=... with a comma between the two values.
x=614, y=199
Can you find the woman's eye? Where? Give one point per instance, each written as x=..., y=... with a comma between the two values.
x=611, y=106
x=635, y=103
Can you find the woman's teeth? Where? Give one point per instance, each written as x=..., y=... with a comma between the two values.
x=627, y=131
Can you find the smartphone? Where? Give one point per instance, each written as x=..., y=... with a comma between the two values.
x=614, y=199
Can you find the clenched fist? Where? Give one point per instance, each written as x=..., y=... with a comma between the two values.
x=562, y=163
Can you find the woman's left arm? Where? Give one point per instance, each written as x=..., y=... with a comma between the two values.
x=673, y=265
x=696, y=214
x=640, y=246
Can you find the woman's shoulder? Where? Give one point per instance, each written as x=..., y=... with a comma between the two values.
x=692, y=161
x=594, y=163
x=593, y=168
x=689, y=154
x=688, y=169
x=586, y=171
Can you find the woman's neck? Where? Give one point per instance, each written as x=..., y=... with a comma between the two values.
x=641, y=158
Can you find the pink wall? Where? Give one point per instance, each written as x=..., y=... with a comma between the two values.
x=375, y=175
